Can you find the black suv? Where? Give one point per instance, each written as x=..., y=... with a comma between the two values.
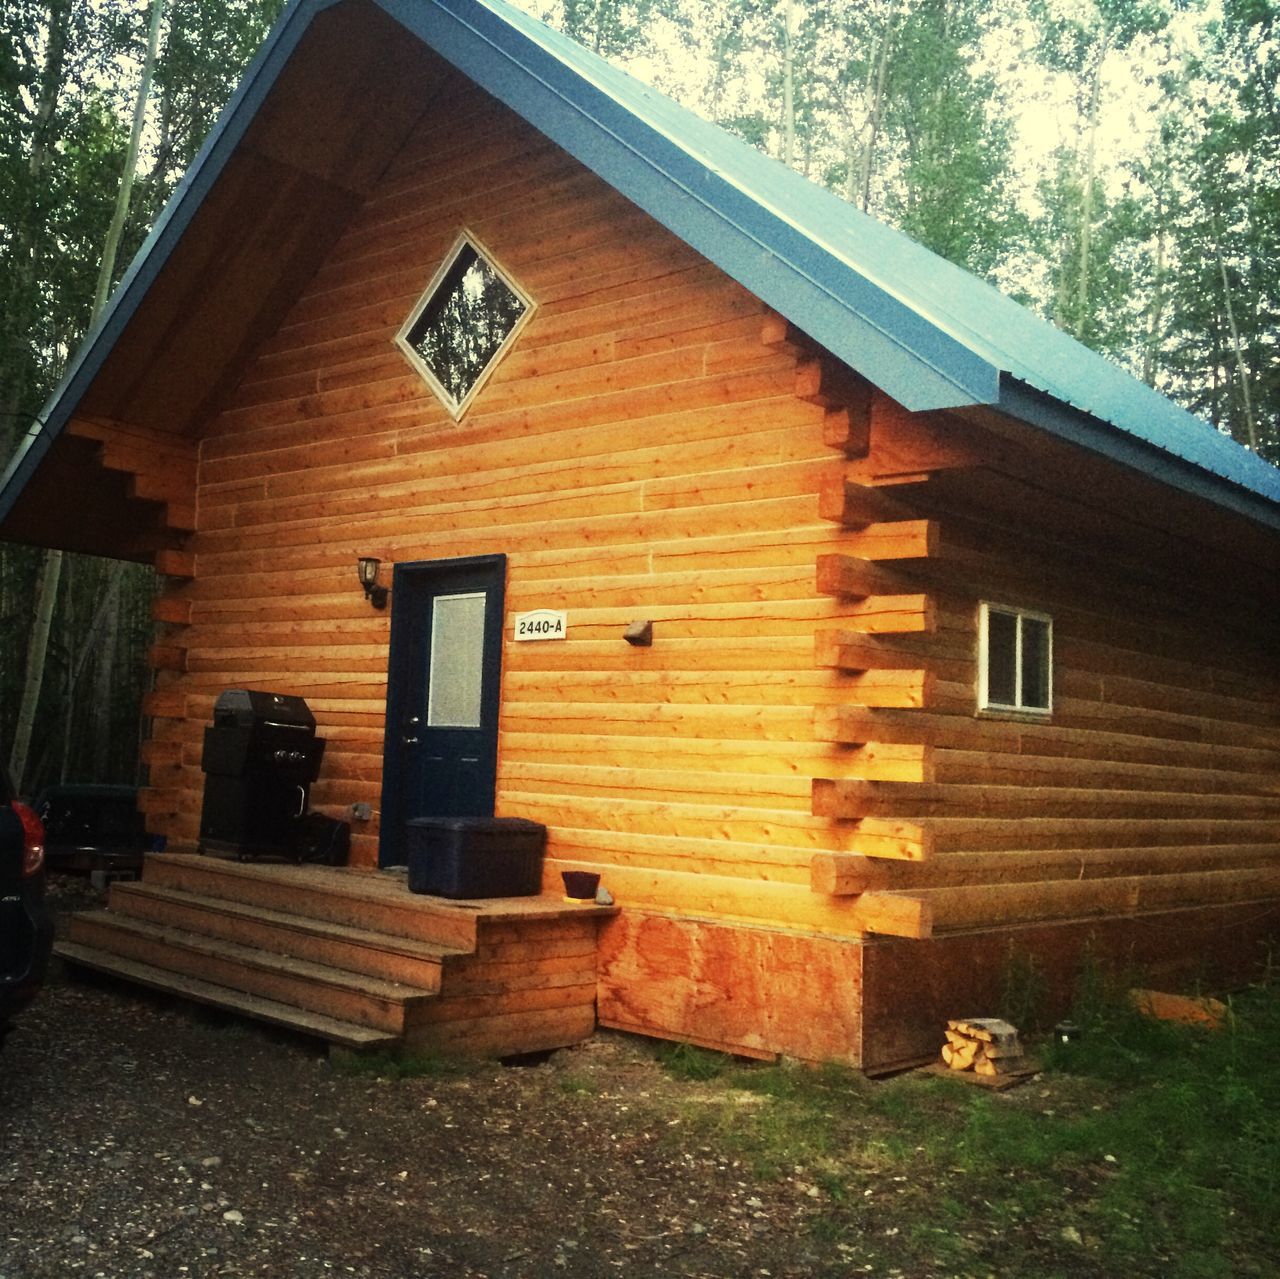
x=26, y=932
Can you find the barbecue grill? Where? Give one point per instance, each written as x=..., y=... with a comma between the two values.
x=260, y=757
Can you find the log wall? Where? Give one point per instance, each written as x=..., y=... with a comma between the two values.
x=641, y=452
x=1154, y=784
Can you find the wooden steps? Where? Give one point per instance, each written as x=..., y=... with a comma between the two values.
x=341, y=1033
x=321, y=988
x=350, y=956
x=375, y=954
x=379, y=903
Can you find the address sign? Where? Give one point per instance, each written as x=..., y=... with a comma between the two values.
x=541, y=624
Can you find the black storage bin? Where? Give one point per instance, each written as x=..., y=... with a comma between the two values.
x=476, y=856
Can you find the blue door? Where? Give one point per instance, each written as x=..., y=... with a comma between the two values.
x=440, y=757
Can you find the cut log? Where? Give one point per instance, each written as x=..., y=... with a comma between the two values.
x=170, y=608
x=855, y=576
x=848, y=429
x=984, y=1028
x=986, y=1045
x=857, y=651
x=893, y=915
x=857, y=505
x=833, y=385
x=172, y=563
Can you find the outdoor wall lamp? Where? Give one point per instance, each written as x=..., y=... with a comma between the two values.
x=367, y=567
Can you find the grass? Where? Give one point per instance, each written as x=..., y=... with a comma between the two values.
x=1143, y=1148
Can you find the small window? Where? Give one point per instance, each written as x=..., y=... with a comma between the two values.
x=1015, y=660
x=462, y=325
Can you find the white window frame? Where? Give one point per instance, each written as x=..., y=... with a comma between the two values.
x=464, y=240
x=984, y=660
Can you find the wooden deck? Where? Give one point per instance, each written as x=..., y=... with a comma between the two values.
x=351, y=956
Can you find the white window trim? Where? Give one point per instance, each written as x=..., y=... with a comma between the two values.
x=457, y=408
x=984, y=700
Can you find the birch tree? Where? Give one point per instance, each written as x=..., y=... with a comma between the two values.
x=1224, y=300
x=1085, y=42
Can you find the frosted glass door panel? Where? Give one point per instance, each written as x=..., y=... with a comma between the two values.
x=457, y=661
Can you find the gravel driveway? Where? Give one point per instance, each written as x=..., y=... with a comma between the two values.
x=140, y=1137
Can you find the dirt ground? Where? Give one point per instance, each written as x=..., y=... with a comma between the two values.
x=145, y=1138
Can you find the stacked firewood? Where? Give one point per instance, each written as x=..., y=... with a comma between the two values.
x=985, y=1045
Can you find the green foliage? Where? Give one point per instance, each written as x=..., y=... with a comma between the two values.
x=1077, y=38
x=1025, y=992
x=1205, y=1107
x=953, y=138
x=688, y=1061
x=612, y=28
x=1221, y=348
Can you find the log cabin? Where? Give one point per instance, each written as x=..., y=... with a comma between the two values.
x=871, y=638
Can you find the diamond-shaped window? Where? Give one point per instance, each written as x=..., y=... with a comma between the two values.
x=465, y=321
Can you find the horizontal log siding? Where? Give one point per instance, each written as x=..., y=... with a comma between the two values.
x=1155, y=783
x=640, y=453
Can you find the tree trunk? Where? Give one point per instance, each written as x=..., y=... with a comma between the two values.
x=104, y=680
x=46, y=595
x=875, y=105
x=1155, y=312
x=788, y=83
x=46, y=592
x=1251, y=427
x=1081, y=325
x=72, y=572
x=112, y=244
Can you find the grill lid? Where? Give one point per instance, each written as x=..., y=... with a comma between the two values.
x=250, y=707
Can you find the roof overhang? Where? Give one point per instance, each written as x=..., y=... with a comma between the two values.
x=1039, y=410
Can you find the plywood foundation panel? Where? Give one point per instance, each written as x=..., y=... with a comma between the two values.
x=911, y=988
x=754, y=991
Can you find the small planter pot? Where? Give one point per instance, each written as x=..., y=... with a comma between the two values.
x=580, y=885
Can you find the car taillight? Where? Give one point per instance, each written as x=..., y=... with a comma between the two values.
x=32, y=840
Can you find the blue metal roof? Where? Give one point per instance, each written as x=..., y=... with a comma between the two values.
x=927, y=333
